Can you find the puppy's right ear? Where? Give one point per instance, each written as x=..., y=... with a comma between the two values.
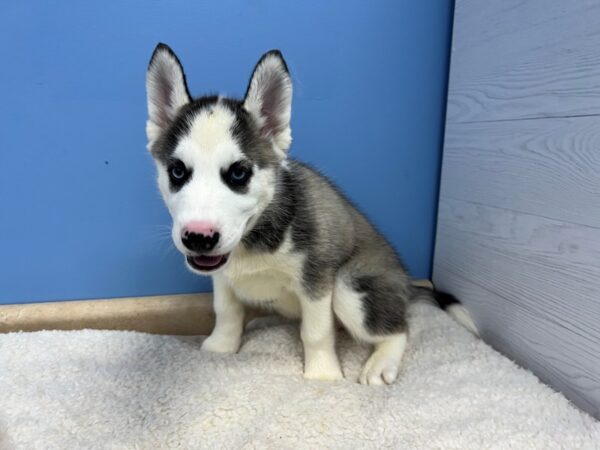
x=166, y=89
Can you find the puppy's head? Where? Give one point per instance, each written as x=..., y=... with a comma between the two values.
x=217, y=158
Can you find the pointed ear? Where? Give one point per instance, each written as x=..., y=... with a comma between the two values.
x=166, y=89
x=269, y=98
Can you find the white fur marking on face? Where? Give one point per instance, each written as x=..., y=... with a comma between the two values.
x=211, y=129
x=208, y=149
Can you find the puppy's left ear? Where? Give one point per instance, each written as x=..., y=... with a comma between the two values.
x=166, y=89
x=269, y=98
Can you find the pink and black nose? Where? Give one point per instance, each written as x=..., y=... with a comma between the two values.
x=200, y=237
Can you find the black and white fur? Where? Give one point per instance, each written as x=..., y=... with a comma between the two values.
x=271, y=231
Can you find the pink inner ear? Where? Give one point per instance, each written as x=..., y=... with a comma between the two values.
x=271, y=105
x=164, y=100
x=167, y=89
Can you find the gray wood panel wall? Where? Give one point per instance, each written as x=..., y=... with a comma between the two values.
x=518, y=237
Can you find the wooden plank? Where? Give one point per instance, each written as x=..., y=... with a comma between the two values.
x=547, y=167
x=533, y=287
x=184, y=314
x=517, y=344
x=522, y=59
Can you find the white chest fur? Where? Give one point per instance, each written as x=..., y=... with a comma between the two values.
x=267, y=280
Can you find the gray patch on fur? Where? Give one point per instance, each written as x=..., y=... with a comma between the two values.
x=338, y=241
x=384, y=304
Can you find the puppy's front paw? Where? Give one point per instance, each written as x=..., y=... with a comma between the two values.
x=323, y=369
x=220, y=344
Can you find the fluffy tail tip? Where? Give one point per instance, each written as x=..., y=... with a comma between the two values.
x=456, y=310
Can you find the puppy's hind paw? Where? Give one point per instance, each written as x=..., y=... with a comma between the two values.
x=379, y=372
x=384, y=364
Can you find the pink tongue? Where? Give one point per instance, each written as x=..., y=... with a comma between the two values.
x=208, y=261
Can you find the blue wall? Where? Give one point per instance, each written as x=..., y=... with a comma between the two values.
x=81, y=216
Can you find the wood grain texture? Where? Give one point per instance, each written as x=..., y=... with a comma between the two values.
x=558, y=376
x=533, y=287
x=524, y=58
x=548, y=167
x=518, y=235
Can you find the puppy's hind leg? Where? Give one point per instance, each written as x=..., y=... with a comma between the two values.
x=384, y=363
x=373, y=311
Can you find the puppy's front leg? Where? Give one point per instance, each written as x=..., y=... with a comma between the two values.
x=227, y=334
x=318, y=337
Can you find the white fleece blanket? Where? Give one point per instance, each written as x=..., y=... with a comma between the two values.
x=126, y=390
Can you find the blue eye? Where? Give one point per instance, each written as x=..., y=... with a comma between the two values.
x=178, y=172
x=238, y=175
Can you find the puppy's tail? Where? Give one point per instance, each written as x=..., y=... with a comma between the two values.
x=448, y=303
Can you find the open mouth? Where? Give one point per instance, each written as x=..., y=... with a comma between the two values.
x=206, y=263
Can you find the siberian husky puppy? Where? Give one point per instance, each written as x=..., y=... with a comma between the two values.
x=271, y=231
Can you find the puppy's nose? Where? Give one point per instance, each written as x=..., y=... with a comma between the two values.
x=200, y=237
